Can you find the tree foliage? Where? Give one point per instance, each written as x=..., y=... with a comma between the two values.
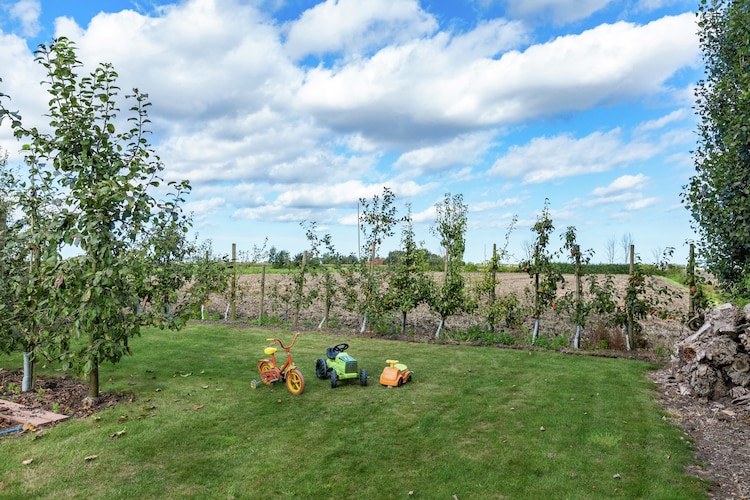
x=100, y=174
x=450, y=297
x=718, y=194
x=408, y=283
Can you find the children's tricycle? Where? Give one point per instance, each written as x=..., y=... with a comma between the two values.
x=396, y=374
x=270, y=373
x=339, y=366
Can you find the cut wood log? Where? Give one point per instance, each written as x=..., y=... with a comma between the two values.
x=714, y=362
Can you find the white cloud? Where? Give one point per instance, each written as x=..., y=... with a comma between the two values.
x=621, y=184
x=558, y=11
x=27, y=13
x=676, y=116
x=444, y=85
x=353, y=26
x=465, y=149
x=547, y=158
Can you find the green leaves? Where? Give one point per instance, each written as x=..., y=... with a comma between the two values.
x=90, y=186
x=717, y=195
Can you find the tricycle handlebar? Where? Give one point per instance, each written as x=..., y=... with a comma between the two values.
x=285, y=347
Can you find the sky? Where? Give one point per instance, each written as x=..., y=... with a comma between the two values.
x=284, y=112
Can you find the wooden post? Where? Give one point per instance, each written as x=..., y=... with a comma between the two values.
x=493, y=280
x=691, y=281
x=579, y=296
x=262, y=293
x=233, y=290
x=629, y=333
x=300, y=289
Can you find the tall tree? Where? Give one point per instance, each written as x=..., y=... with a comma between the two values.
x=376, y=223
x=108, y=178
x=541, y=268
x=450, y=226
x=408, y=283
x=718, y=194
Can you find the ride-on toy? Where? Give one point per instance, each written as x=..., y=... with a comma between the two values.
x=396, y=374
x=339, y=366
x=270, y=373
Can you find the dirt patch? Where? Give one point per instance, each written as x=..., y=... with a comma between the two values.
x=721, y=433
x=66, y=396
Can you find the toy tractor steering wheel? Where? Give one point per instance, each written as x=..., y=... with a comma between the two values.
x=340, y=347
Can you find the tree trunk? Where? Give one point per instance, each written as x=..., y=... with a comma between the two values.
x=94, y=381
x=27, y=384
x=439, y=328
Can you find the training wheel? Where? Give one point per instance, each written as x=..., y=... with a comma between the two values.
x=254, y=384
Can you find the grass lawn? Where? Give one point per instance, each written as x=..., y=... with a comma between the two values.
x=475, y=422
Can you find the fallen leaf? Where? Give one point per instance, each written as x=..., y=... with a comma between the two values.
x=27, y=461
x=197, y=407
x=205, y=386
x=117, y=434
x=91, y=457
x=28, y=427
x=542, y=428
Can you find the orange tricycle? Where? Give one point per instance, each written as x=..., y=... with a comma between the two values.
x=270, y=373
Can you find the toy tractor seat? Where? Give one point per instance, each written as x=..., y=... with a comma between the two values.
x=331, y=353
x=400, y=367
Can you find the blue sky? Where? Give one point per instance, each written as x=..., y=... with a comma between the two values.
x=283, y=111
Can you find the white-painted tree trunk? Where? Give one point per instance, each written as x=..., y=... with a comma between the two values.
x=27, y=375
x=577, y=338
x=439, y=328
x=627, y=337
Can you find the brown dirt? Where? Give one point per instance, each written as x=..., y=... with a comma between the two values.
x=721, y=432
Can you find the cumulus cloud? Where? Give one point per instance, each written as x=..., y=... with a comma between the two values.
x=353, y=26
x=465, y=149
x=547, y=158
x=558, y=11
x=446, y=84
x=26, y=12
x=621, y=185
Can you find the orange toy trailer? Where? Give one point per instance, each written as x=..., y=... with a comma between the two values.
x=395, y=375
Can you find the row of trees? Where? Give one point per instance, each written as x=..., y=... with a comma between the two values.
x=405, y=283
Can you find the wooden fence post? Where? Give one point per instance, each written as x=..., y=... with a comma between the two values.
x=233, y=292
x=262, y=293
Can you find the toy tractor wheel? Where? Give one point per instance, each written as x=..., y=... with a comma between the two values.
x=400, y=381
x=294, y=382
x=363, y=377
x=321, y=369
x=408, y=379
x=334, y=379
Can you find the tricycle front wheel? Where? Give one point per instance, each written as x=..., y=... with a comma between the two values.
x=294, y=381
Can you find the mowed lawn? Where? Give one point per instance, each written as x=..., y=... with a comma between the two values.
x=475, y=422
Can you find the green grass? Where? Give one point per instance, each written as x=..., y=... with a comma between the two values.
x=469, y=424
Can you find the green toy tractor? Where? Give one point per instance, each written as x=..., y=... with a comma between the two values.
x=339, y=366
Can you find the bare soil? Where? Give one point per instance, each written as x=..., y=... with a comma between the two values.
x=721, y=432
